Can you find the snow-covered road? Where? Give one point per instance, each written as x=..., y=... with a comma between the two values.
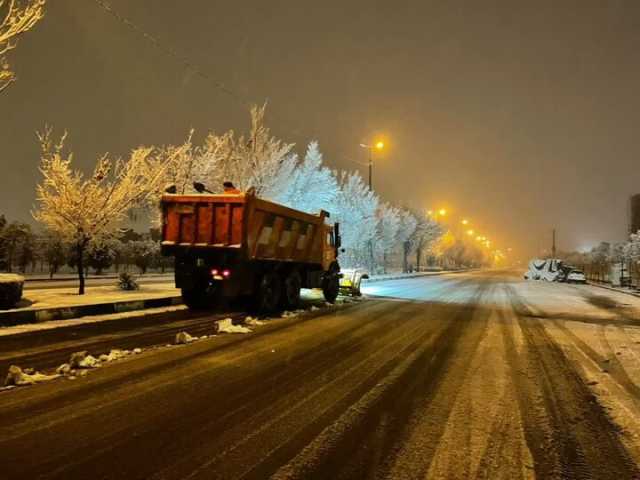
x=457, y=376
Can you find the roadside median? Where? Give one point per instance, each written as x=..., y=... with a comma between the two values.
x=42, y=305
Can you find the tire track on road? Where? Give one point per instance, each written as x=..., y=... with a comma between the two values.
x=363, y=441
x=568, y=432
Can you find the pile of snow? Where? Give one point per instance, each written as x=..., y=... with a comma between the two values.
x=254, y=322
x=295, y=313
x=19, y=377
x=113, y=355
x=11, y=278
x=183, y=338
x=227, y=326
x=83, y=360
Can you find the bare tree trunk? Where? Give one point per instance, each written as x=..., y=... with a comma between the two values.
x=405, y=256
x=80, y=250
x=418, y=258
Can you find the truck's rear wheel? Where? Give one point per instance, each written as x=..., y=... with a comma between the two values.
x=195, y=298
x=267, y=296
x=291, y=291
x=331, y=288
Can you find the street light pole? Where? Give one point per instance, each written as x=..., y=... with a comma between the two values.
x=379, y=146
x=370, y=168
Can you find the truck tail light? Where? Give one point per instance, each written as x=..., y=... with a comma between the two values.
x=214, y=271
x=226, y=273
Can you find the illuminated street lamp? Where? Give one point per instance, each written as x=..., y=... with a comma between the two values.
x=470, y=233
x=442, y=212
x=378, y=146
x=465, y=222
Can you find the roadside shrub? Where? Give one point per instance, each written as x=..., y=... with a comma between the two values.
x=127, y=282
x=10, y=290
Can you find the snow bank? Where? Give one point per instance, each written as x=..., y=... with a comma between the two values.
x=19, y=377
x=253, y=321
x=83, y=360
x=113, y=355
x=183, y=338
x=10, y=278
x=295, y=313
x=227, y=326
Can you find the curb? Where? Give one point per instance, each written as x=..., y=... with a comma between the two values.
x=606, y=287
x=8, y=318
x=108, y=276
x=405, y=277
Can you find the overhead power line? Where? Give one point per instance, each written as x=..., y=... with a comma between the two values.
x=106, y=6
x=184, y=60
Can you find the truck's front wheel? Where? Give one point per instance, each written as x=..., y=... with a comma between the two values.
x=331, y=288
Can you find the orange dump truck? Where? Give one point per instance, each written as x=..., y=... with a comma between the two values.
x=238, y=245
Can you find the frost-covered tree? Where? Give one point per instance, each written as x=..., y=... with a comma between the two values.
x=426, y=233
x=356, y=208
x=632, y=247
x=258, y=160
x=54, y=252
x=83, y=209
x=14, y=239
x=388, y=223
x=18, y=17
x=600, y=254
x=143, y=253
x=100, y=255
x=312, y=186
x=406, y=227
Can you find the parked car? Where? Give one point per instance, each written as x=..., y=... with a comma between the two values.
x=576, y=276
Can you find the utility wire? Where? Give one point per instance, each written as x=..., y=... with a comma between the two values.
x=172, y=53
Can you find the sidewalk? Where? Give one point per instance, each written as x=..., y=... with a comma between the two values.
x=40, y=305
x=628, y=291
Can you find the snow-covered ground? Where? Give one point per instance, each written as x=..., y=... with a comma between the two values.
x=68, y=297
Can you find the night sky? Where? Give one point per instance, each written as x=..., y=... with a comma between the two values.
x=519, y=115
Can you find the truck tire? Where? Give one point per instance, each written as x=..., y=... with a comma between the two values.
x=267, y=295
x=291, y=291
x=195, y=298
x=331, y=288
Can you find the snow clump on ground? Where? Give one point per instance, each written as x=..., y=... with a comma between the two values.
x=253, y=321
x=227, y=326
x=19, y=377
x=83, y=360
x=183, y=338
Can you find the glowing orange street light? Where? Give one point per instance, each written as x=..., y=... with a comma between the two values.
x=380, y=145
x=470, y=232
x=465, y=222
x=442, y=212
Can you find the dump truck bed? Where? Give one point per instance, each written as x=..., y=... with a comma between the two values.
x=256, y=229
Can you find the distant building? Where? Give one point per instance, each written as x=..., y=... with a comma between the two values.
x=634, y=213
